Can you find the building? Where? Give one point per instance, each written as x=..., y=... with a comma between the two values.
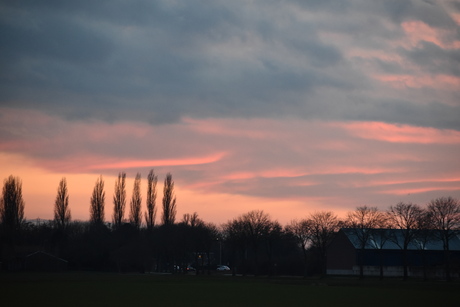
x=381, y=250
x=41, y=261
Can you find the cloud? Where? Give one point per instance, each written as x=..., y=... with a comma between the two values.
x=303, y=103
x=158, y=62
x=310, y=165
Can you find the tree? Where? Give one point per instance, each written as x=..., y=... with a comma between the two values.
x=405, y=217
x=235, y=236
x=119, y=200
x=61, y=206
x=135, y=216
x=169, y=201
x=445, y=217
x=323, y=227
x=192, y=219
x=363, y=221
x=256, y=225
x=97, y=203
x=151, y=213
x=302, y=232
x=12, y=204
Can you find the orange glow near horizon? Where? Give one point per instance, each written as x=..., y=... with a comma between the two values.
x=221, y=182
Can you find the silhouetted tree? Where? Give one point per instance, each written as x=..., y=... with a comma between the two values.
x=406, y=217
x=236, y=238
x=151, y=213
x=97, y=203
x=273, y=240
x=192, y=219
x=256, y=226
x=61, y=206
x=119, y=200
x=323, y=227
x=423, y=236
x=12, y=204
x=135, y=215
x=362, y=221
x=302, y=232
x=445, y=216
x=169, y=201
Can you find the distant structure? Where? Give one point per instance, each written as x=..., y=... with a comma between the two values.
x=425, y=255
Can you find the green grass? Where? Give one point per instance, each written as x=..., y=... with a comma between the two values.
x=108, y=289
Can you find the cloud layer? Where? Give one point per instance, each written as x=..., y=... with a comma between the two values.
x=319, y=104
x=160, y=61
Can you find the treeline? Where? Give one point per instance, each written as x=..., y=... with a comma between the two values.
x=252, y=243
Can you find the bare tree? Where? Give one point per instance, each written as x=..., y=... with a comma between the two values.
x=61, y=206
x=169, y=201
x=302, y=232
x=424, y=235
x=406, y=218
x=151, y=213
x=119, y=200
x=97, y=203
x=445, y=217
x=135, y=215
x=12, y=204
x=235, y=236
x=362, y=221
x=256, y=226
x=192, y=219
x=323, y=226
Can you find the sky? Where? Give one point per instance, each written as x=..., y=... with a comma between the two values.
x=289, y=106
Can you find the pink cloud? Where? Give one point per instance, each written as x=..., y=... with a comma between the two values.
x=156, y=163
x=402, y=133
x=218, y=167
x=417, y=31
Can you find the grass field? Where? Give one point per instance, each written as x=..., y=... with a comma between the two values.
x=109, y=289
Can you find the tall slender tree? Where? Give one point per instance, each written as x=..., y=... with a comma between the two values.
x=12, y=204
x=169, y=201
x=119, y=200
x=151, y=213
x=97, y=203
x=61, y=206
x=135, y=215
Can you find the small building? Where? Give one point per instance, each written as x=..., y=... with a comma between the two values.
x=383, y=249
x=41, y=261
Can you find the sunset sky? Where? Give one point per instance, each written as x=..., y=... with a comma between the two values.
x=290, y=107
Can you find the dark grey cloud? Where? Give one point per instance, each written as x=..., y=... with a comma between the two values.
x=157, y=61
x=435, y=59
x=430, y=12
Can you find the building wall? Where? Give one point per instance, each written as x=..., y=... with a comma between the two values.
x=341, y=255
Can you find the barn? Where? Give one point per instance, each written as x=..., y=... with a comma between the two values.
x=383, y=252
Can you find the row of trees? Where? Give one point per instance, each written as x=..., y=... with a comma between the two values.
x=12, y=203
x=250, y=243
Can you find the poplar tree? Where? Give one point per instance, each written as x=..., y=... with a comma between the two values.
x=169, y=201
x=135, y=216
x=97, y=203
x=151, y=213
x=119, y=200
x=12, y=204
x=61, y=206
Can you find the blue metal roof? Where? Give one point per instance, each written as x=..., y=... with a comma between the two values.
x=394, y=238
